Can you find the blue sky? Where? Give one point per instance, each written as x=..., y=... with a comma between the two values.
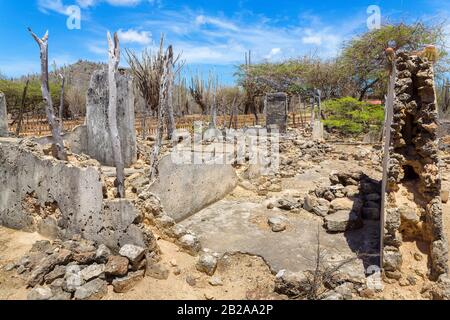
x=209, y=34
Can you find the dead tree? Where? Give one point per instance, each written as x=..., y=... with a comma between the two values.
x=162, y=106
x=200, y=92
x=61, y=103
x=22, y=109
x=113, y=65
x=147, y=71
x=234, y=114
x=324, y=272
x=250, y=88
x=58, y=143
x=170, y=119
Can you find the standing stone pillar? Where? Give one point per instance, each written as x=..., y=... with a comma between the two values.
x=3, y=116
x=99, y=142
x=413, y=208
x=276, y=111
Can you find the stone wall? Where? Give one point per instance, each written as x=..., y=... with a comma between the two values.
x=57, y=199
x=276, y=111
x=413, y=209
x=3, y=116
x=98, y=140
x=76, y=140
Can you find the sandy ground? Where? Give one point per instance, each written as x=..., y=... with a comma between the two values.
x=243, y=276
x=13, y=245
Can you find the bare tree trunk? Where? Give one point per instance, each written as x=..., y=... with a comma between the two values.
x=58, y=142
x=144, y=124
x=163, y=100
x=233, y=117
x=22, y=108
x=213, y=123
x=169, y=112
x=61, y=104
x=113, y=65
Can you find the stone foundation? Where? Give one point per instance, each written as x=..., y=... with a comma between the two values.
x=413, y=208
x=60, y=200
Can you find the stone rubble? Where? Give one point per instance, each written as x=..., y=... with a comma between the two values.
x=61, y=271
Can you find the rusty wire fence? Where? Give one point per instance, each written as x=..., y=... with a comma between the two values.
x=37, y=125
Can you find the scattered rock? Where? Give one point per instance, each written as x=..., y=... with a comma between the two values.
x=102, y=254
x=190, y=243
x=61, y=295
x=333, y=296
x=125, y=284
x=132, y=252
x=277, y=224
x=345, y=290
x=342, y=221
x=93, y=290
x=207, y=263
x=157, y=270
x=92, y=271
x=40, y=294
x=57, y=273
x=9, y=267
x=41, y=246
x=215, y=281
x=291, y=284
x=47, y=265
x=73, y=278
x=117, y=266
x=191, y=280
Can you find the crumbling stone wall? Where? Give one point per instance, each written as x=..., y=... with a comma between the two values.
x=3, y=116
x=276, y=111
x=60, y=200
x=76, y=140
x=413, y=209
x=98, y=137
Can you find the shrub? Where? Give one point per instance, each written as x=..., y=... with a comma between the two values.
x=350, y=116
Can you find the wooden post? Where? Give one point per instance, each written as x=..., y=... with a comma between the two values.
x=61, y=104
x=58, y=143
x=113, y=65
x=170, y=116
x=389, y=116
x=22, y=109
x=162, y=105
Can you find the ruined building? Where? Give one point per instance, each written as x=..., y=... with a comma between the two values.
x=413, y=208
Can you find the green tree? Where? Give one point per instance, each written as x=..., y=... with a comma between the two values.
x=13, y=91
x=350, y=116
x=364, y=61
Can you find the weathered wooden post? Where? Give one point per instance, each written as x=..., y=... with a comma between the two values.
x=113, y=65
x=58, y=143
x=3, y=116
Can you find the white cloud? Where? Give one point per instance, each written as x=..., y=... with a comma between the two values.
x=274, y=52
x=134, y=36
x=59, y=7
x=205, y=20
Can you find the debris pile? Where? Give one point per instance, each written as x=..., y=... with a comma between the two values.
x=79, y=269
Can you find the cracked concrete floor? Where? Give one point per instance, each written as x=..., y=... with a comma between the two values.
x=234, y=225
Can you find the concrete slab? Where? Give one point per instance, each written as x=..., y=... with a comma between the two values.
x=230, y=226
x=185, y=189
